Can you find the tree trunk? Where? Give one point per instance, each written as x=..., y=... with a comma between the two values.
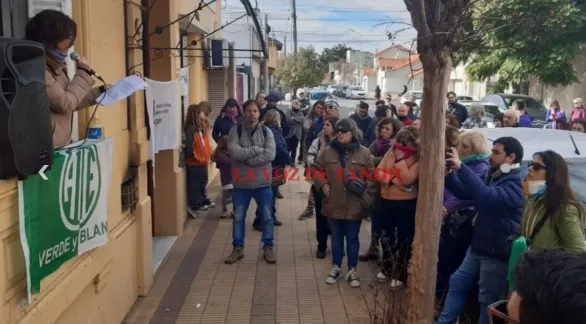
x=437, y=66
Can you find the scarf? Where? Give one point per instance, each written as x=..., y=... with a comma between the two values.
x=342, y=148
x=232, y=114
x=408, y=150
x=59, y=55
x=383, y=145
x=474, y=157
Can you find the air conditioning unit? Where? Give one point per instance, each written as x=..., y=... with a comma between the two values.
x=219, y=54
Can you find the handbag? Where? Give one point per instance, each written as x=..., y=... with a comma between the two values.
x=354, y=185
x=460, y=223
x=279, y=177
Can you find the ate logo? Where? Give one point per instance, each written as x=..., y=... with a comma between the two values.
x=79, y=186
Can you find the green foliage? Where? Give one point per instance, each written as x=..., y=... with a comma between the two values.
x=333, y=54
x=517, y=39
x=301, y=69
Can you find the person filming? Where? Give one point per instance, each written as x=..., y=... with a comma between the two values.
x=57, y=33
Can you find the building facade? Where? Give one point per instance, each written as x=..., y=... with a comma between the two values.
x=119, y=38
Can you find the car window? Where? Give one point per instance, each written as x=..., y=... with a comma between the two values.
x=417, y=95
x=535, y=109
x=496, y=99
x=318, y=95
x=492, y=109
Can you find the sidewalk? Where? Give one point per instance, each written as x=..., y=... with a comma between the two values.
x=195, y=286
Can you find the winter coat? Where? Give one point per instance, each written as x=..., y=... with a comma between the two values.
x=222, y=126
x=452, y=203
x=282, y=156
x=363, y=124
x=499, y=202
x=224, y=164
x=295, y=120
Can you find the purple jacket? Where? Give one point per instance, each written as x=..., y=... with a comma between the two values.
x=451, y=203
x=224, y=163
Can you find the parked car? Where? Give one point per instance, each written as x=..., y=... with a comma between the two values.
x=281, y=91
x=464, y=98
x=490, y=110
x=536, y=140
x=315, y=95
x=417, y=94
x=332, y=89
x=533, y=107
x=355, y=93
x=342, y=91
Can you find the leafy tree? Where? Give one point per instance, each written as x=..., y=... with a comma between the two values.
x=299, y=70
x=333, y=54
x=522, y=38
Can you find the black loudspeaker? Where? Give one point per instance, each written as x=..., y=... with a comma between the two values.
x=26, y=135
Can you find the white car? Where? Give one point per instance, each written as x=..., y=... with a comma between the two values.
x=418, y=95
x=331, y=89
x=572, y=149
x=355, y=93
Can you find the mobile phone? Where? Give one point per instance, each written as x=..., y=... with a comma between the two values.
x=447, y=156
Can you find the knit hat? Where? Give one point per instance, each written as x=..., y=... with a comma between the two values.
x=350, y=124
x=332, y=102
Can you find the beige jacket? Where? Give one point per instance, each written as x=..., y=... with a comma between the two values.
x=66, y=97
x=342, y=204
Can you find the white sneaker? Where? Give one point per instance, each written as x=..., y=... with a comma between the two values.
x=396, y=283
x=224, y=214
x=334, y=275
x=204, y=208
x=192, y=212
x=352, y=278
x=380, y=277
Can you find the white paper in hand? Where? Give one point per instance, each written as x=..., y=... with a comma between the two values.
x=121, y=90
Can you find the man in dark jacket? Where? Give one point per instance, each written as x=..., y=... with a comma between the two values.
x=379, y=114
x=456, y=109
x=272, y=100
x=499, y=201
x=362, y=119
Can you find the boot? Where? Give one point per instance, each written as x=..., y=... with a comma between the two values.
x=236, y=255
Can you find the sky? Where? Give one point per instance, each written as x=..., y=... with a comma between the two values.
x=325, y=23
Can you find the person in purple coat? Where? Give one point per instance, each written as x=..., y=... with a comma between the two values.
x=474, y=152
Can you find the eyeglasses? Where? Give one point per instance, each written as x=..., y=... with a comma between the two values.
x=497, y=313
x=536, y=166
x=342, y=130
x=331, y=107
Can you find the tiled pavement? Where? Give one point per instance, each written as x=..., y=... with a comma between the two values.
x=194, y=285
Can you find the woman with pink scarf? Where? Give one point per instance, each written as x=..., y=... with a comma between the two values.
x=230, y=116
x=556, y=117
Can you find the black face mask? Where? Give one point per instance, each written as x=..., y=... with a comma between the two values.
x=271, y=106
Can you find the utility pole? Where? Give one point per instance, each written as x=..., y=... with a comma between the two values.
x=285, y=44
x=266, y=65
x=294, y=16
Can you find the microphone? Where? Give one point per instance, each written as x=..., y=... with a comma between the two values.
x=74, y=56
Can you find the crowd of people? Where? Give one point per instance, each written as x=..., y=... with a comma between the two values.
x=492, y=213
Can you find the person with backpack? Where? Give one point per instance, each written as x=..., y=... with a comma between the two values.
x=252, y=149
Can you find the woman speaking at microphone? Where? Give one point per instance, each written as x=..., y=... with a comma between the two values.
x=57, y=32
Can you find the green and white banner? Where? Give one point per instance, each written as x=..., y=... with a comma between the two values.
x=64, y=211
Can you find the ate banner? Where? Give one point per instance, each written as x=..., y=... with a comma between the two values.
x=67, y=214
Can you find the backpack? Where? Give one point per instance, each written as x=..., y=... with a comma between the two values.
x=239, y=130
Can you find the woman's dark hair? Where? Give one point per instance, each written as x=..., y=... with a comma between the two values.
x=499, y=117
x=222, y=147
x=319, y=102
x=395, y=123
x=248, y=103
x=580, y=121
x=49, y=27
x=231, y=102
x=332, y=120
x=453, y=121
x=559, y=192
x=380, y=103
x=551, y=284
x=452, y=136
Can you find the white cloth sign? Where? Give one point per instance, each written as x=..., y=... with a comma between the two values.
x=163, y=106
x=183, y=76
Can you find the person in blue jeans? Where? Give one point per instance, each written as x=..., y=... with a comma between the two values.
x=252, y=148
x=499, y=201
x=344, y=163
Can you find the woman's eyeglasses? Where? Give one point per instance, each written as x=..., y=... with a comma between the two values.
x=342, y=130
x=331, y=107
x=497, y=313
x=536, y=166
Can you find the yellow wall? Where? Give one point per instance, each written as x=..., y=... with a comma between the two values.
x=82, y=291
x=273, y=55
